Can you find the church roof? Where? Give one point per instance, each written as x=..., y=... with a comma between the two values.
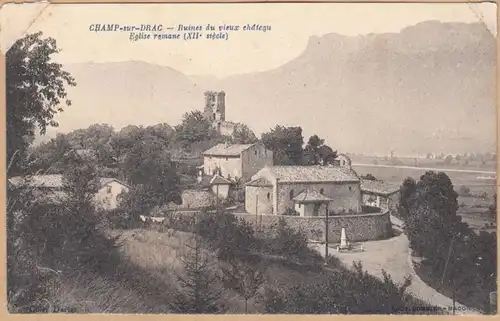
x=227, y=150
x=379, y=187
x=53, y=181
x=311, y=174
x=219, y=180
x=309, y=196
x=260, y=182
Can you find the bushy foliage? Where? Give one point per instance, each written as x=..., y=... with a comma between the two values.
x=35, y=88
x=317, y=153
x=291, y=212
x=227, y=235
x=283, y=240
x=194, y=127
x=53, y=236
x=464, y=191
x=286, y=144
x=369, y=177
x=340, y=292
x=450, y=247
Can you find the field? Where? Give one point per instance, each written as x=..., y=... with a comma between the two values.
x=473, y=208
x=472, y=164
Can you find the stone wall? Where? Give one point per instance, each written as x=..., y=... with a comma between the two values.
x=359, y=227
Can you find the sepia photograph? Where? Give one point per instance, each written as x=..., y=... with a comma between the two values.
x=251, y=158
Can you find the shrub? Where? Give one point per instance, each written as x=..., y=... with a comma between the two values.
x=291, y=212
x=179, y=221
x=464, y=191
x=341, y=292
x=227, y=235
x=293, y=244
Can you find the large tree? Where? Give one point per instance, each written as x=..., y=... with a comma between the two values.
x=244, y=135
x=286, y=144
x=36, y=87
x=193, y=128
x=317, y=153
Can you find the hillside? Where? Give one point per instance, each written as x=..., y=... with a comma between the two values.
x=429, y=88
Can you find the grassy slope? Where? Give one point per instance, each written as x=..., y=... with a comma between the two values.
x=159, y=254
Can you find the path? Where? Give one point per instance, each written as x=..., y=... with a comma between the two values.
x=393, y=256
x=429, y=168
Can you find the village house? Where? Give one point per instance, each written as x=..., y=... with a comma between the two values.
x=380, y=194
x=50, y=187
x=306, y=190
x=235, y=161
x=217, y=184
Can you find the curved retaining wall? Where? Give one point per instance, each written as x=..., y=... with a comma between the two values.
x=359, y=227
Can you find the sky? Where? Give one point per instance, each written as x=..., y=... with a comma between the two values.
x=291, y=27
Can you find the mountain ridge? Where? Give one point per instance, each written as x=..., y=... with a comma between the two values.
x=362, y=93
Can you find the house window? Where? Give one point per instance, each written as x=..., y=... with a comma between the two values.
x=291, y=194
x=268, y=196
x=321, y=191
x=226, y=158
x=255, y=152
x=350, y=188
x=108, y=189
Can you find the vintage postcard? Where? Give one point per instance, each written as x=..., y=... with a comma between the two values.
x=251, y=158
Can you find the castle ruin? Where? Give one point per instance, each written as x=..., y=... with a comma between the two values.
x=215, y=112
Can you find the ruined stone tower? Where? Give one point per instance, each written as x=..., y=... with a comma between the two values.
x=215, y=106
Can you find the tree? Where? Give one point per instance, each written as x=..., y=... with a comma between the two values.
x=369, y=177
x=316, y=153
x=407, y=195
x=243, y=279
x=35, y=87
x=148, y=167
x=286, y=144
x=193, y=128
x=243, y=135
x=448, y=160
x=198, y=289
x=49, y=157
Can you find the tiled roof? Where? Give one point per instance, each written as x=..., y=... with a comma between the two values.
x=219, y=180
x=227, y=150
x=39, y=181
x=310, y=196
x=205, y=181
x=314, y=174
x=260, y=182
x=379, y=187
x=51, y=181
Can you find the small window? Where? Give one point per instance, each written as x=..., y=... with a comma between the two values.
x=321, y=191
x=268, y=196
x=350, y=188
x=255, y=152
x=108, y=189
x=226, y=158
x=291, y=194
